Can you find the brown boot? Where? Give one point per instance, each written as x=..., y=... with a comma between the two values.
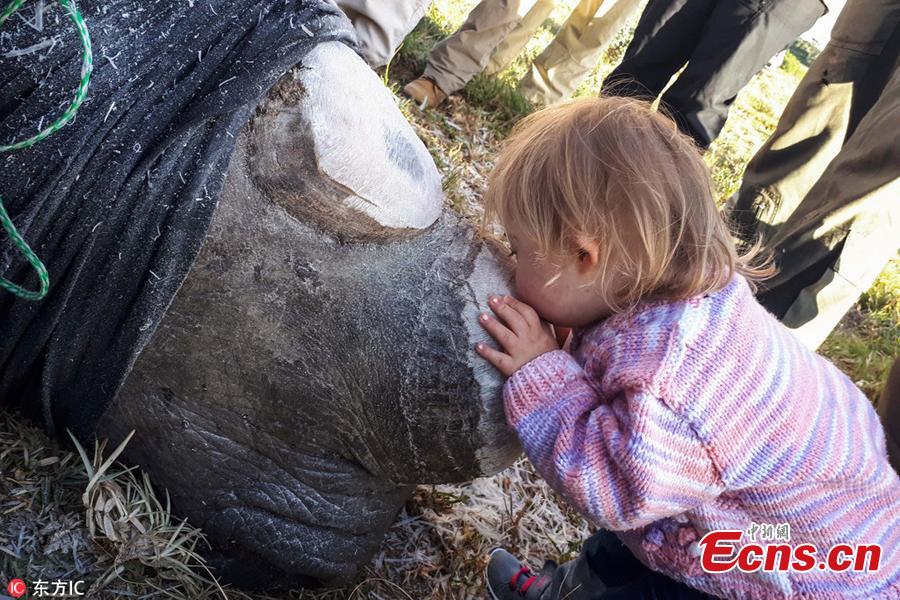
x=425, y=93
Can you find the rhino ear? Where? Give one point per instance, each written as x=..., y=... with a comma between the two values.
x=330, y=146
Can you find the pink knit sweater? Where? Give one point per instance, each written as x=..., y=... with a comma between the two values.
x=677, y=419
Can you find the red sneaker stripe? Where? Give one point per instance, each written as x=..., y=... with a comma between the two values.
x=513, y=583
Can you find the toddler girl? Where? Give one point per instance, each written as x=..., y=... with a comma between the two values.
x=681, y=406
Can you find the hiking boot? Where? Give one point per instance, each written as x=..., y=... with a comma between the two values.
x=508, y=579
x=425, y=93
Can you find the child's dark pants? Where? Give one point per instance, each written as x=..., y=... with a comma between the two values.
x=607, y=569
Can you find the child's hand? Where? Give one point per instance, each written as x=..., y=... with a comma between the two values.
x=519, y=331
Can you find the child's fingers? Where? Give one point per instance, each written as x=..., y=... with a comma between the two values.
x=502, y=362
x=510, y=316
x=498, y=331
x=527, y=313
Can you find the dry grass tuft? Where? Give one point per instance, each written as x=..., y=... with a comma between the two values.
x=126, y=544
x=142, y=542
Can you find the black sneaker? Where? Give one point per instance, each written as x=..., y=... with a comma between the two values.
x=508, y=579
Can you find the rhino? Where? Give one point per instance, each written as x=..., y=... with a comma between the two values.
x=317, y=360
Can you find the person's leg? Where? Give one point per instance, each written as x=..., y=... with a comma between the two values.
x=664, y=39
x=837, y=91
x=832, y=241
x=889, y=411
x=851, y=213
x=737, y=41
x=513, y=44
x=604, y=570
x=381, y=25
x=655, y=586
x=603, y=562
x=574, y=52
x=460, y=57
x=607, y=570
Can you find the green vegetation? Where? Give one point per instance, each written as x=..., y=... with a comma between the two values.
x=804, y=51
x=867, y=341
x=793, y=66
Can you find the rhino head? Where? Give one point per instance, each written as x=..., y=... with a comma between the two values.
x=318, y=360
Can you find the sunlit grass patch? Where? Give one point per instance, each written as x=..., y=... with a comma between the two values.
x=867, y=340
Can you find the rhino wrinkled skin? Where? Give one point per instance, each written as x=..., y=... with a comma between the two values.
x=318, y=361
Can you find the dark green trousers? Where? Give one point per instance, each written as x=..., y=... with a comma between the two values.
x=823, y=192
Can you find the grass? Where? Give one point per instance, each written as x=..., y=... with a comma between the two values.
x=78, y=514
x=865, y=343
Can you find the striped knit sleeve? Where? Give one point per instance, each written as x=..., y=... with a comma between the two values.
x=622, y=462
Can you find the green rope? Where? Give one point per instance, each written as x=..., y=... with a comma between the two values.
x=29, y=255
x=87, y=67
x=13, y=7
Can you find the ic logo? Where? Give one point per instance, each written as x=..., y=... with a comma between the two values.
x=16, y=588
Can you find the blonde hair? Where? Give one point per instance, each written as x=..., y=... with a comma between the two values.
x=615, y=172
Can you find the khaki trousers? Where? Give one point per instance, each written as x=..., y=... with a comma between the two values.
x=823, y=192
x=496, y=31
x=465, y=54
x=574, y=52
x=381, y=25
x=516, y=40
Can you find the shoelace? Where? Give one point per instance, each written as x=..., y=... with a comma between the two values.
x=529, y=581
